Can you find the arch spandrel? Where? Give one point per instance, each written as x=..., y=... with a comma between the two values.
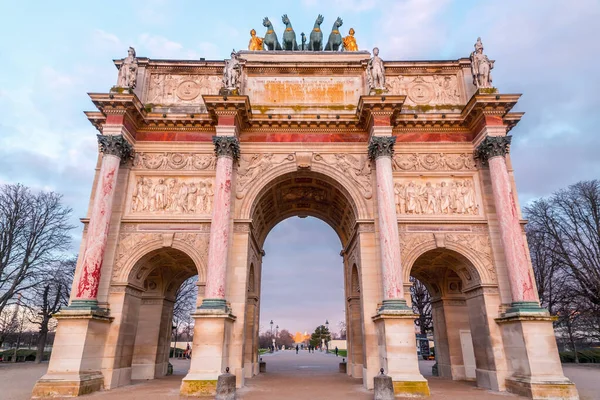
x=247, y=199
x=469, y=255
x=129, y=266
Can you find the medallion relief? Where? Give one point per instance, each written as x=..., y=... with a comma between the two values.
x=435, y=196
x=433, y=162
x=355, y=167
x=255, y=165
x=169, y=89
x=174, y=161
x=426, y=90
x=172, y=195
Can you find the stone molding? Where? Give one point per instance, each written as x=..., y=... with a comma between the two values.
x=174, y=161
x=433, y=162
x=493, y=146
x=381, y=146
x=227, y=146
x=115, y=145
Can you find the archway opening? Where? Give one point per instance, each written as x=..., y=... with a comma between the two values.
x=303, y=283
x=451, y=321
x=162, y=325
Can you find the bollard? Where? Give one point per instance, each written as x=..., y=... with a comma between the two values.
x=170, y=369
x=225, y=386
x=434, y=370
x=262, y=366
x=383, y=387
x=343, y=366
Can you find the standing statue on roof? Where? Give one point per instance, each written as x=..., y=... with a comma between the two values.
x=231, y=74
x=481, y=67
x=128, y=71
x=376, y=72
x=256, y=43
x=350, y=41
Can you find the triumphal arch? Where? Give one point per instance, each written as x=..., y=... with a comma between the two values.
x=408, y=161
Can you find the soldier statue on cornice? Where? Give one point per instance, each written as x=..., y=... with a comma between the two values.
x=231, y=75
x=481, y=67
x=128, y=71
x=376, y=72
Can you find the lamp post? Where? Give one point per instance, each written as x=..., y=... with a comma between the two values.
x=276, y=334
x=272, y=338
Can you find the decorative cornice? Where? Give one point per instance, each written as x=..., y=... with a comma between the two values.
x=227, y=146
x=381, y=146
x=115, y=145
x=492, y=146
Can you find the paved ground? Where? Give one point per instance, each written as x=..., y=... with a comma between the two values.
x=289, y=376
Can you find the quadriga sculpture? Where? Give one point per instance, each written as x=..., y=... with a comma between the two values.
x=289, y=36
x=316, y=36
x=270, y=40
x=335, y=39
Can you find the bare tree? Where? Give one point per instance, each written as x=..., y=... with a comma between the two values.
x=185, y=303
x=34, y=231
x=49, y=297
x=285, y=338
x=421, y=304
x=570, y=221
x=343, y=330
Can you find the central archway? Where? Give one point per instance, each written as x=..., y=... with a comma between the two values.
x=304, y=193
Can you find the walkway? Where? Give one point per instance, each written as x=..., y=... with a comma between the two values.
x=289, y=376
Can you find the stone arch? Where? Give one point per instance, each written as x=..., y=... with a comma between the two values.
x=472, y=251
x=359, y=200
x=132, y=269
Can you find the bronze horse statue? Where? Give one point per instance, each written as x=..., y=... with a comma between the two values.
x=289, y=36
x=316, y=36
x=335, y=39
x=270, y=40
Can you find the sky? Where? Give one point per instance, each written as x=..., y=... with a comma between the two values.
x=53, y=53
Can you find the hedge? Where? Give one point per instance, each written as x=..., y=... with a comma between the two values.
x=585, y=356
x=22, y=355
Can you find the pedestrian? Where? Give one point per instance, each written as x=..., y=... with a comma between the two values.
x=297, y=348
x=336, y=351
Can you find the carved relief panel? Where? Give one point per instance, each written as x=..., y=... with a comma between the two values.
x=171, y=195
x=252, y=166
x=433, y=90
x=436, y=196
x=433, y=162
x=170, y=89
x=174, y=161
x=356, y=167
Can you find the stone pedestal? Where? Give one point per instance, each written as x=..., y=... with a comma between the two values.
x=74, y=367
x=210, y=351
x=398, y=353
x=534, y=366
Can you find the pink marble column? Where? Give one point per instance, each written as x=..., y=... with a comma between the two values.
x=115, y=148
x=381, y=150
x=493, y=150
x=227, y=150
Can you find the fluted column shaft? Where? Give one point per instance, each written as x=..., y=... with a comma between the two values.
x=227, y=150
x=493, y=151
x=115, y=149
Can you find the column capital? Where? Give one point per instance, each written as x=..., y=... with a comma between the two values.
x=115, y=145
x=227, y=146
x=492, y=146
x=381, y=146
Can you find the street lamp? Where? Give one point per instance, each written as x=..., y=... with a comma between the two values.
x=272, y=338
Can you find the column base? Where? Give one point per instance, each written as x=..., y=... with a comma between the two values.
x=67, y=385
x=526, y=307
x=542, y=390
x=214, y=304
x=398, y=353
x=198, y=387
x=83, y=305
x=395, y=305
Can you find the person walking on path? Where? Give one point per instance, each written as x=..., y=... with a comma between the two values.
x=336, y=351
x=297, y=348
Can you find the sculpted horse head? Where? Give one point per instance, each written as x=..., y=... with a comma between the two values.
x=335, y=39
x=270, y=40
x=316, y=36
x=289, y=36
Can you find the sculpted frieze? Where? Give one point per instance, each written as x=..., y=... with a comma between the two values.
x=174, y=161
x=255, y=165
x=433, y=162
x=426, y=90
x=356, y=167
x=172, y=195
x=169, y=89
x=435, y=196
x=127, y=243
x=479, y=244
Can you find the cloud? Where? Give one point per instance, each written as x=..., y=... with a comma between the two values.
x=106, y=42
x=344, y=5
